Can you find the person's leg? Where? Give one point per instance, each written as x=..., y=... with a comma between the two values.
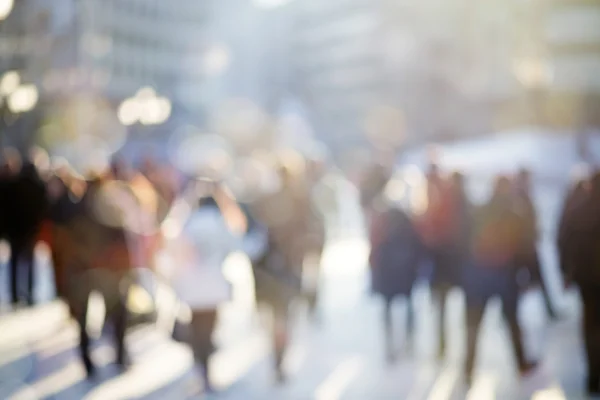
x=15, y=254
x=113, y=288
x=443, y=295
x=29, y=264
x=510, y=307
x=474, y=318
x=591, y=333
x=314, y=272
x=280, y=337
x=410, y=316
x=204, y=327
x=84, y=338
x=388, y=328
x=120, y=328
x=58, y=269
x=539, y=276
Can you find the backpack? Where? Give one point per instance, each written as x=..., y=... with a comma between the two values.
x=497, y=236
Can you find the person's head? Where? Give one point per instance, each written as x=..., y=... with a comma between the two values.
x=207, y=202
x=120, y=169
x=286, y=174
x=595, y=182
x=502, y=187
x=11, y=160
x=148, y=163
x=579, y=173
x=40, y=158
x=315, y=169
x=434, y=170
x=458, y=179
x=523, y=179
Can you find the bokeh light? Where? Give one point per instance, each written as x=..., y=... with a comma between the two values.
x=6, y=7
x=216, y=60
x=23, y=99
x=145, y=107
x=9, y=82
x=533, y=73
x=242, y=122
x=84, y=125
x=129, y=112
x=194, y=151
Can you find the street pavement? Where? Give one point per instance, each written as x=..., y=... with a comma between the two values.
x=338, y=357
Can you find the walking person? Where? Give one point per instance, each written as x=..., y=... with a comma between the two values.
x=101, y=261
x=442, y=230
x=374, y=180
x=278, y=272
x=492, y=271
x=65, y=194
x=569, y=229
x=529, y=222
x=26, y=209
x=210, y=234
x=316, y=234
x=396, y=254
x=579, y=231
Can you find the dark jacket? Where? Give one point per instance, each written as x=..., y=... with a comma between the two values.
x=396, y=254
x=569, y=231
x=26, y=204
x=4, y=178
x=98, y=244
x=373, y=184
x=580, y=247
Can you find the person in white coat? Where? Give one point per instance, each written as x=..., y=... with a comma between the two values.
x=210, y=234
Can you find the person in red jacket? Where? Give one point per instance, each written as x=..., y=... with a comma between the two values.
x=442, y=230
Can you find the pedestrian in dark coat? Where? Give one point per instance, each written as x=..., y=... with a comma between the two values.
x=396, y=254
x=65, y=195
x=444, y=230
x=4, y=179
x=581, y=261
x=27, y=205
x=529, y=225
x=569, y=232
x=493, y=270
x=452, y=256
x=101, y=261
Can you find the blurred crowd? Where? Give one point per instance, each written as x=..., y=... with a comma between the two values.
x=103, y=227
x=487, y=250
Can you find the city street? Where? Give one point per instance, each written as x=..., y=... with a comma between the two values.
x=137, y=136
x=339, y=358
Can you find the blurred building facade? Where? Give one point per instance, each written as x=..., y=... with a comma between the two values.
x=443, y=64
x=336, y=64
x=96, y=53
x=118, y=46
x=572, y=32
x=20, y=45
x=449, y=68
